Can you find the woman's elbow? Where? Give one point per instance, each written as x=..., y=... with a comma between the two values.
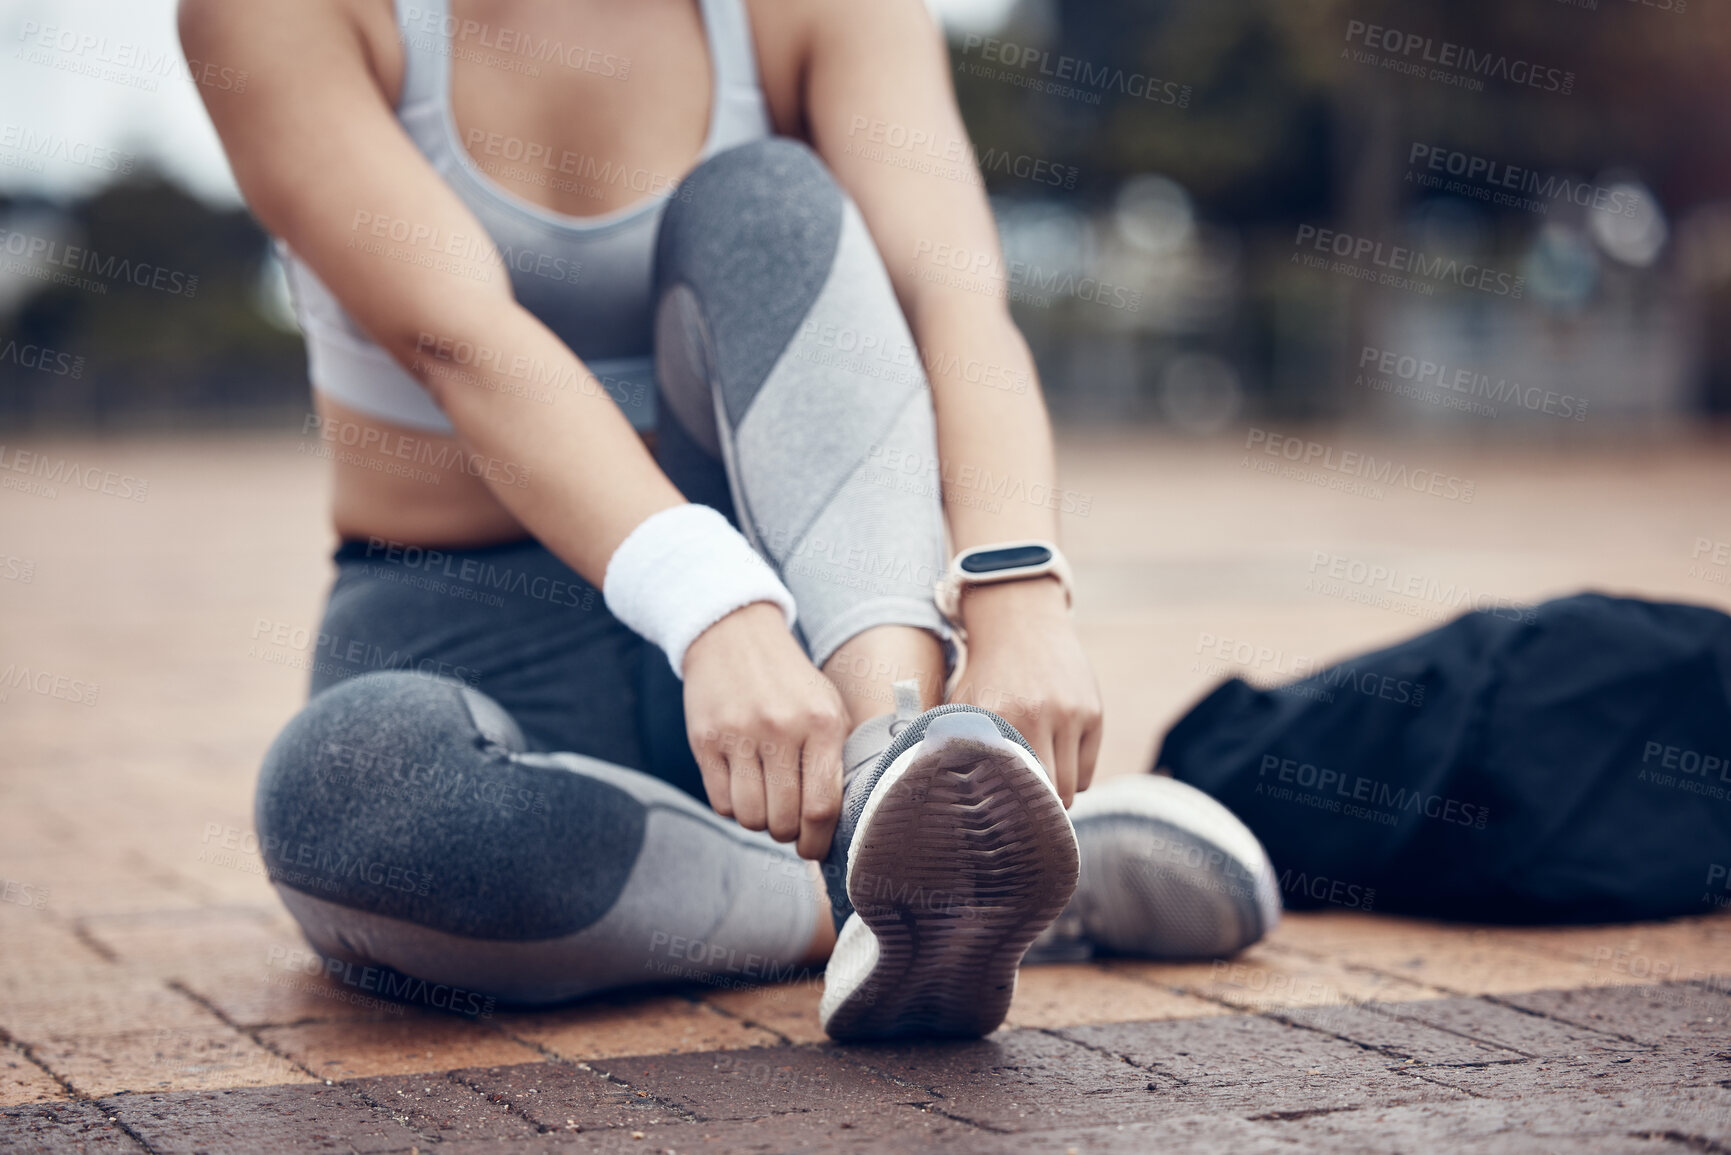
x=445, y=348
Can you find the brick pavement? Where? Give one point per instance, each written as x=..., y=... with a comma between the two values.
x=154, y=996
x=1605, y=1068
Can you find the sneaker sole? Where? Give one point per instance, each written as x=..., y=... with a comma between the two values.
x=962, y=858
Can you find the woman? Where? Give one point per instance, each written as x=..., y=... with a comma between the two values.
x=651, y=309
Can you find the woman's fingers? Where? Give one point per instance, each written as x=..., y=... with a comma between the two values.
x=712, y=764
x=1089, y=752
x=1040, y=738
x=1066, y=740
x=763, y=721
x=745, y=785
x=781, y=785
x=785, y=783
x=1040, y=725
x=820, y=794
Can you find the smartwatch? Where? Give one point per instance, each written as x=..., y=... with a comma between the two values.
x=1009, y=561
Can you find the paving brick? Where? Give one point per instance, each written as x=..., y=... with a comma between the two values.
x=1366, y=1025
x=1686, y=1014
x=888, y=1130
x=172, y=943
x=1537, y=1081
x=1691, y=948
x=69, y=1126
x=443, y=1107
x=764, y=1081
x=22, y=1081
x=1484, y=1126
x=1015, y=1080
x=1489, y=1021
x=1516, y=1142
x=788, y=1009
x=97, y=878
x=1225, y=1051
x=1267, y=977
x=35, y=948
x=166, y=1059
x=263, y=995
x=252, y=969
x=1245, y=1064
x=1698, y=1113
x=103, y=1000
x=891, y=1131
x=1179, y=1135
x=418, y=1043
x=566, y=1097
x=307, y=1117
x=1074, y=994
x=634, y=1026
x=1454, y=958
x=25, y=831
x=29, y=907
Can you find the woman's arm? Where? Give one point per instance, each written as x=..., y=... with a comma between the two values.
x=319, y=156
x=882, y=113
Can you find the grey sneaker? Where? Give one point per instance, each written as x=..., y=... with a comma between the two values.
x=1167, y=873
x=952, y=853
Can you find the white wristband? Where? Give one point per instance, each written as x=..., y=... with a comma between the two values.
x=681, y=571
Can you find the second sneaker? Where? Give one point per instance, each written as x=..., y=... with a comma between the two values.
x=952, y=854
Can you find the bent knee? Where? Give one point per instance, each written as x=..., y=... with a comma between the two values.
x=768, y=210
x=388, y=794
x=381, y=723
x=775, y=172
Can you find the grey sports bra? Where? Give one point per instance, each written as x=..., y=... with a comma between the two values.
x=586, y=278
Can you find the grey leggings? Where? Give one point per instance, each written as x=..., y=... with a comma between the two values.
x=489, y=795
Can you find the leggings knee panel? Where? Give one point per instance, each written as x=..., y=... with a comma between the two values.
x=753, y=234
x=384, y=795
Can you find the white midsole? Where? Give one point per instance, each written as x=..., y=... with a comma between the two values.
x=851, y=962
x=1162, y=799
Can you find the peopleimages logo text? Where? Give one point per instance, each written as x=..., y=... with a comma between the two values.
x=1414, y=262
x=1471, y=382
x=1352, y=463
x=105, y=58
x=1361, y=789
x=1445, y=54
x=1540, y=189
x=42, y=145
x=511, y=41
x=51, y=253
x=1064, y=70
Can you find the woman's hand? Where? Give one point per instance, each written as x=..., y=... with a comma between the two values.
x=1026, y=664
x=766, y=727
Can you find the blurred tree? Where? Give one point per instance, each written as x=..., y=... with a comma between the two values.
x=147, y=350
x=1269, y=88
x=1283, y=126
x=1278, y=126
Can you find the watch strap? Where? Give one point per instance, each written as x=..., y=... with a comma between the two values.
x=1002, y=562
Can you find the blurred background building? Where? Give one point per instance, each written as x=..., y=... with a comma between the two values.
x=1482, y=217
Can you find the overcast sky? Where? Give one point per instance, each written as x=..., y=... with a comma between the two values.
x=112, y=84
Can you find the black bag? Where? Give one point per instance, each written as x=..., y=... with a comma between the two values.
x=1568, y=762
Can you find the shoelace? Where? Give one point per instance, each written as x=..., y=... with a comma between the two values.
x=872, y=737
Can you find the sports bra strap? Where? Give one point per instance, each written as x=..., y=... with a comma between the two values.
x=423, y=28
x=728, y=29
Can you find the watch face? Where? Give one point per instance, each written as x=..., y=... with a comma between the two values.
x=1014, y=557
